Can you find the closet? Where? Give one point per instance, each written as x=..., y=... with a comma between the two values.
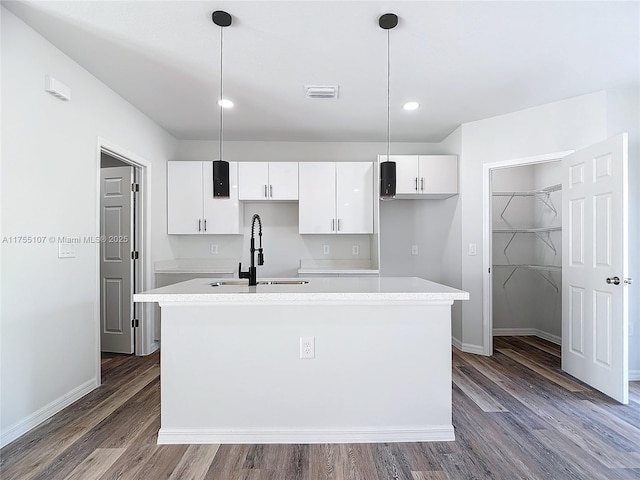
x=527, y=251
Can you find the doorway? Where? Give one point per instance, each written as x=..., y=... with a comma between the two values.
x=119, y=251
x=527, y=251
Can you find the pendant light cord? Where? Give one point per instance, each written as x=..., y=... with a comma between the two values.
x=388, y=96
x=221, y=93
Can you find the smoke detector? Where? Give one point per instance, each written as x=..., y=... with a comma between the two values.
x=321, y=91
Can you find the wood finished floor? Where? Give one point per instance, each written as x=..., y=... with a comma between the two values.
x=516, y=416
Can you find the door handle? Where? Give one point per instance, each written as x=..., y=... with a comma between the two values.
x=613, y=280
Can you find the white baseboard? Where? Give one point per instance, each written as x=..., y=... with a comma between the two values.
x=467, y=347
x=634, y=375
x=428, y=433
x=527, y=332
x=46, y=412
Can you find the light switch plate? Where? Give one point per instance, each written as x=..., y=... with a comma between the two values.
x=472, y=249
x=414, y=249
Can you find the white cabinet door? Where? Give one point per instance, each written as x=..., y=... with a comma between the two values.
x=253, y=178
x=184, y=197
x=354, y=197
x=438, y=174
x=221, y=215
x=317, y=197
x=406, y=173
x=283, y=180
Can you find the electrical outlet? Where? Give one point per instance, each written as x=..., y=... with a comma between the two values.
x=355, y=250
x=307, y=347
x=214, y=249
x=414, y=249
x=66, y=250
x=325, y=249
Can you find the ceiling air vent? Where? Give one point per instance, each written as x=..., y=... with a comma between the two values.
x=321, y=91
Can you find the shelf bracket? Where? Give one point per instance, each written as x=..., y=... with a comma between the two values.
x=549, y=281
x=547, y=241
x=544, y=197
x=509, y=243
x=507, y=206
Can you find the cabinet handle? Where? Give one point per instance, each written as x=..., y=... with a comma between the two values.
x=422, y=184
x=271, y=191
x=416, y=184
x=338, y=224
x=205, y=224
x=265, y=192
x=199, y=225
x=333, y=224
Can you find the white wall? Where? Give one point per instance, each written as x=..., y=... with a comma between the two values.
x=565, y=125
x=569, y=124
x=49, y=188
x=623, y=105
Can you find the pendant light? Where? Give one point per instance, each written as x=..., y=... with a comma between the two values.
x=220, y=166
x=388, y=168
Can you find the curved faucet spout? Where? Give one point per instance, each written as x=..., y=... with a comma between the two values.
x=251, y=273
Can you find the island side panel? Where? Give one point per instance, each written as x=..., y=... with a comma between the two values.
x=233, y=374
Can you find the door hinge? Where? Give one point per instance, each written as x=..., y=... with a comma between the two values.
x=135, y=187
x=135, y=323
x=134, y=255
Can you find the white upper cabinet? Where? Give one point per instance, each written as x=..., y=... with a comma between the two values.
x=268, y=180
x=425, y=176
x=336, y=197
x=184, y=197
x=191, y=208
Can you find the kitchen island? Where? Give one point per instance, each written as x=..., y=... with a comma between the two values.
x=232, y=372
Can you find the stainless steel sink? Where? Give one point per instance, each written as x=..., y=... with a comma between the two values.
x=240, y=283
x=237, y=283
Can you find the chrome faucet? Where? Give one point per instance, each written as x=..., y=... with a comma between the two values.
x=251, y=273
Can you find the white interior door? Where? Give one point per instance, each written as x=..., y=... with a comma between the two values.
x=116, y=265
x=594, y=255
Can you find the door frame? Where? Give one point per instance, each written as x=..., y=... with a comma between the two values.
x=487, y=228
x=144, y=343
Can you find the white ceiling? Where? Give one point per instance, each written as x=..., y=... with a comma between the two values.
x=462, y=61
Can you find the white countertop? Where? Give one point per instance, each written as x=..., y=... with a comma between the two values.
x=319, y=289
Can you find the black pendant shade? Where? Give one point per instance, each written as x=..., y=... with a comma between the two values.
x=387, y=180
x=220, y=179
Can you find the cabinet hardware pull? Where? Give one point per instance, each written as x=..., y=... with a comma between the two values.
x=271, y=191
x=265, y=192
x=416, y=184
x=422, y=184
x=338, y=224
x=333, y=224
x=199, y=225
x=205, y=224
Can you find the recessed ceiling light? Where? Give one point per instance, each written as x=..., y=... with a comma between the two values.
x=411, y=106
x=225, y=103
